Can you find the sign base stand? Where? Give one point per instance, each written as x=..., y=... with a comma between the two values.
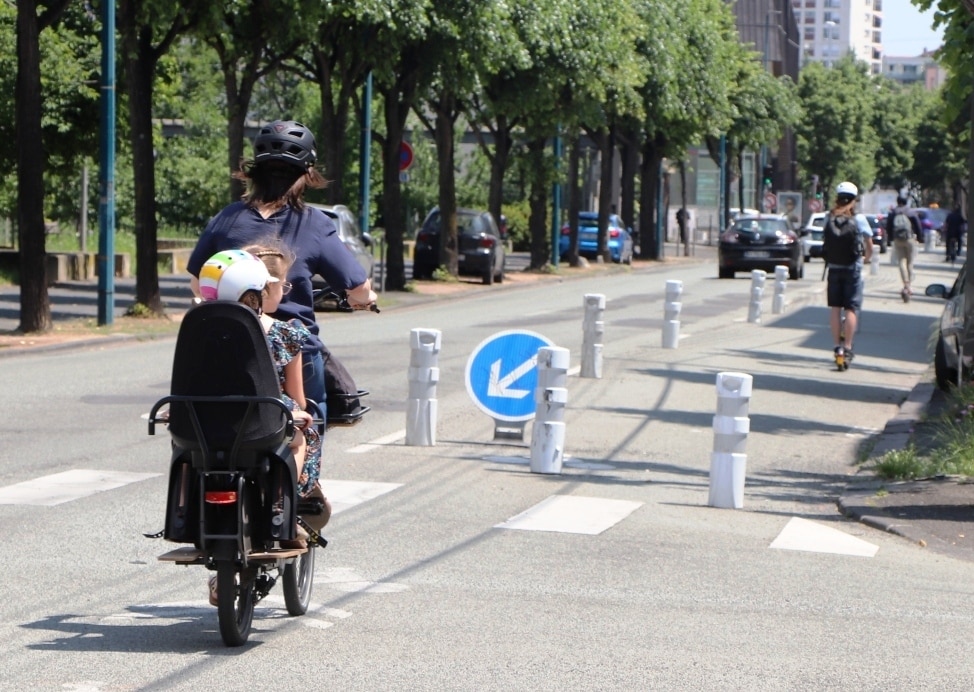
x=506, y=430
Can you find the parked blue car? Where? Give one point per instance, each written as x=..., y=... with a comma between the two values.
x=618, y=238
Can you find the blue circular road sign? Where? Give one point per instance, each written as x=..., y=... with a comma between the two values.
x=502, y=374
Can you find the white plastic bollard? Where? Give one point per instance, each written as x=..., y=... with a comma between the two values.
x=421, y=407
x=551, y=396
x=671, y=314
x=728, y=461
x=593, y=330
x=929, y=238
x=874, y=262
x=893, y=259
x=757, y=293
x=780, y=282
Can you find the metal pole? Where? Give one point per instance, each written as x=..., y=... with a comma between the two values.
x=556, y=203
x=106, y=205
x=721, y=202
x=365, y=158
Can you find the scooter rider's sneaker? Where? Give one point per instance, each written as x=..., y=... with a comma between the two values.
x=849, y=355
x=840, y=358
x=905, y=294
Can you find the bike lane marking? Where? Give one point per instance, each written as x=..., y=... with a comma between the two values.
x=809, y=536
x=572, y=514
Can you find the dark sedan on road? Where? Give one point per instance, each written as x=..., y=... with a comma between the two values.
x=763, y=241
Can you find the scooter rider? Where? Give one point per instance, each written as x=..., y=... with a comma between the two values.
x=273, y=207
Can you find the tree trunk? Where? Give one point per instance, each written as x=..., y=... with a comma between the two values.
x=446, y=177
x=498, y=166
x=649, y=180
x=630, y=164
x=607, y=151
x=35, y=305
x=538, y=203
x=332, y=147
x=140, y=64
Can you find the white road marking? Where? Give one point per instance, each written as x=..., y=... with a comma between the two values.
x=574, y=371
x=346, y=494
x=809, y=536
x=389, y=439
x=59, y=488
x=346, y=580
x=572, y=514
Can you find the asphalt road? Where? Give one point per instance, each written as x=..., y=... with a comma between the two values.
x=430, y=583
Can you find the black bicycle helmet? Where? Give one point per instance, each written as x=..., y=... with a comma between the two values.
x=287, y=141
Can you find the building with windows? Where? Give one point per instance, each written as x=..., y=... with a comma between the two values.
x=922, y=69
x=830, y=29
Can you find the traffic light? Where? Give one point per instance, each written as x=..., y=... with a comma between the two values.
x=768, y=174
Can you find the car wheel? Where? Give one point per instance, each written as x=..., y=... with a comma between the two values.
x=489, y=276
x=946, y=376
x=725, y=272
x=882, y=247
x=499, y=278
x=808, y=258
x=796, y=272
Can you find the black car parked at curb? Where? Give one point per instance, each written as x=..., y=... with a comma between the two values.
x=480, y=246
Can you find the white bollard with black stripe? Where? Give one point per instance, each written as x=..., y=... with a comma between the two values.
x=593, y=331
x=758, y=278
x=671, y=314
x=780, y=282
x=551, y=397
x=728, y=461
x=421, y=407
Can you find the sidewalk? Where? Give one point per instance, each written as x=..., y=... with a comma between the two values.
x=935, y=513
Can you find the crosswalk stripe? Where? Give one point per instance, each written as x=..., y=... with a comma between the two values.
x=809, y=536
x=572, y=514
x=58, y=488
x=346, y=494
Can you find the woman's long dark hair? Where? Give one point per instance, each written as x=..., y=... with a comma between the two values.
x=274, y=182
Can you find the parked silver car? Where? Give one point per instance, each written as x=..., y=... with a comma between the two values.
x=359, y=244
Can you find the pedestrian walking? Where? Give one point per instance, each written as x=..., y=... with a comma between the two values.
x=954, y=226
x=903, y=228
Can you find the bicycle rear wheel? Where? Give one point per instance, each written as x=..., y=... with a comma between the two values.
x=298, y=577
x=235, y=602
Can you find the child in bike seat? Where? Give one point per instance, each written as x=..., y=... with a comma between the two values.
x=258, y=283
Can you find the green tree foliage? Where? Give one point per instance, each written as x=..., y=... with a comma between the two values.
x=895, y=120
x=836, y=139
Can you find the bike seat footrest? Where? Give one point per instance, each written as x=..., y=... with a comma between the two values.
x=277, y=554
x=187, y=556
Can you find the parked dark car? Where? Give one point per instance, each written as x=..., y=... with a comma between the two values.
x=764, y=241
x=877, y=222
x=359, y=244
x=946, y=358
x=618, y=238
x=481, y=250
x=932, y=220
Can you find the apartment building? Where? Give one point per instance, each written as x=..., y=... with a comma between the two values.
x=829, y=29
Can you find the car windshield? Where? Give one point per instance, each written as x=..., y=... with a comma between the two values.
x=761, y=225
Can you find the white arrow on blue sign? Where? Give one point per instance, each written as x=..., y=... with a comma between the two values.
x=502, y=374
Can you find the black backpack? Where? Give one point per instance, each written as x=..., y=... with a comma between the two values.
x=841, y=245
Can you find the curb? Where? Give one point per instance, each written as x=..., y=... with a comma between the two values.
x=855, y=501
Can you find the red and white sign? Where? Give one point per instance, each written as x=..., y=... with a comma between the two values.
x=770, y=202
x=405, y=156
x=814, y=205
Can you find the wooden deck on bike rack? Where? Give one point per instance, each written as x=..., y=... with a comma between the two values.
x=192, y=556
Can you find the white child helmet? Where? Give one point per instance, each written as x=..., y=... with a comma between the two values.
x=229, y=274
x=847, y=188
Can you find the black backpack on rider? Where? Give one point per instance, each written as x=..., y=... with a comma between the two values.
x=343, y=396
x=841, y=242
